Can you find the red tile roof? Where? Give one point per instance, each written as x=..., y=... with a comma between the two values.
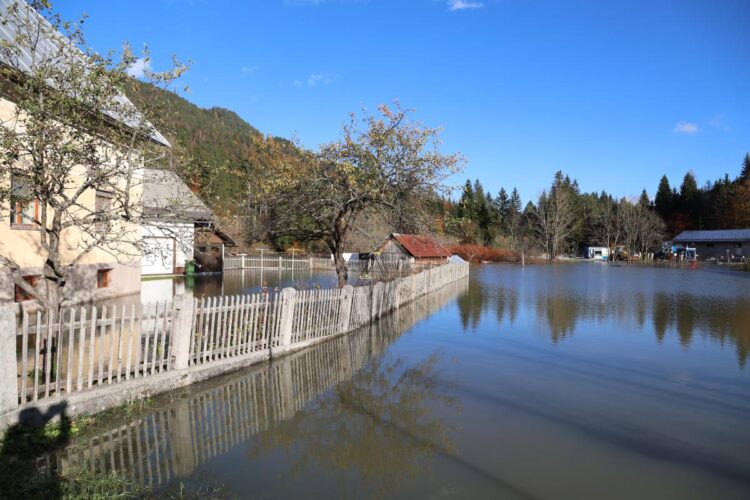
x=421, y=246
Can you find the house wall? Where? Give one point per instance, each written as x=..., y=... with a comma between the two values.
x=392, y=251
x=720, y=250
x=181, y=237
x=23, y=247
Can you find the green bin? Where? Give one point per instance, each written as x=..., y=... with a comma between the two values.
x=190, y=268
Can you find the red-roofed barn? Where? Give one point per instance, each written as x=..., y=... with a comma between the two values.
x=417, y=250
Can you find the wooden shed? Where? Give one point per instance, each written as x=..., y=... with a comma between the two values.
x=415, y=249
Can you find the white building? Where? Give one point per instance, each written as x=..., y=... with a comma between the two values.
x=171, y=212
x=597, y=253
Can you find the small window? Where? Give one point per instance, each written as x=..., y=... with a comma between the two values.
x=739, y=245
x=102, y=207
x=21, y=294
x=25, y=209
x=103, y=277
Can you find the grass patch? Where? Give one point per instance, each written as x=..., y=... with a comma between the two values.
x=29, y=456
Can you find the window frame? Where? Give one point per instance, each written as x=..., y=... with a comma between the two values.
x=103, y=278
x=17, y=217
x=19, y=294
x=102, y=226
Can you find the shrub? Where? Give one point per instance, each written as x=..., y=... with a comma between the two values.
x=479, y=253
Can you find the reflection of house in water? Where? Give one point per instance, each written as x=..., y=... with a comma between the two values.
x=169, y=443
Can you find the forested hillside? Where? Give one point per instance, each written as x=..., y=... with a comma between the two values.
x=215, y=151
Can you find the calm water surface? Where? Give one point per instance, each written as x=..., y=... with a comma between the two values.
x=568, y=381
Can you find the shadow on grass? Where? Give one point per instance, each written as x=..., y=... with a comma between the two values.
x=24, y=472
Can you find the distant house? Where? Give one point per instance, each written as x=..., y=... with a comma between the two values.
x=596, y=253
x=720, y=244
x=171, y=212
x=416, y=250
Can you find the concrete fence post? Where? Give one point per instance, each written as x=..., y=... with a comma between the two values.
x=182, y=321
x=8, y=363
x=288, y=300
x=377, y=299
x=346, y=307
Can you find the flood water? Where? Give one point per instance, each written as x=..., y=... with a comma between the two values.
x=234, y=282
x=567, y=381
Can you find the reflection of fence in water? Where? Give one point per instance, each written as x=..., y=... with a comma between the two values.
x=172, y=441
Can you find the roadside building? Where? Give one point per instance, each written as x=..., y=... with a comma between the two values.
x=723, y=245
x=95, y=273
x=413, y=249
x=171, y=213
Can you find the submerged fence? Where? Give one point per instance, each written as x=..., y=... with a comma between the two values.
x=90, y=348
x=276, y=261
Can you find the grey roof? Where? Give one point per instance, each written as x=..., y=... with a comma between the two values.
x=713, y=235
x=48, y=47
x=166, y=197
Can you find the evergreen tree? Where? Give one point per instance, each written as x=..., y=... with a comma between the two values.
x=745, y=173
x=515, y=201
x=502, y=205
x=644, y=201
x=690, y=201
x=664, y=200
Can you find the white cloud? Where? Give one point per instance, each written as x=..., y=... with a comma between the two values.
x=720, y=121
x=464, y=5
x=250, y=69
x=139, y=68
x=319, y=78
x=687, y=128
x=296, y=83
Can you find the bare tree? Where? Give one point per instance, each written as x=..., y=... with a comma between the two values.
x=73, y=146
x=642, y=229
x=555, y=218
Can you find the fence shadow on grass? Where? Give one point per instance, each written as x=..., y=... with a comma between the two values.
x=25, y=446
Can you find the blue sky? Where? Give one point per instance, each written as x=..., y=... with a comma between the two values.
x=615, y=93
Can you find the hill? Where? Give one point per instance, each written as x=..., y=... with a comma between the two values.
x=214, y=150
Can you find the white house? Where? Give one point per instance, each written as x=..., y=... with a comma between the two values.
x=597, y=253
x=171, y=212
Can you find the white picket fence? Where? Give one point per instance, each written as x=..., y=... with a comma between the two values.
x=278, y=261
x=89, y=347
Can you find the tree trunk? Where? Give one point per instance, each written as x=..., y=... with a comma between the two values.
x=342, y=270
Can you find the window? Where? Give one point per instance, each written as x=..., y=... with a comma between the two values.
x=21, y=294
x=710, y=245
x=102, y=207
x=25, y=209
x=103, y=278
x=739, y=245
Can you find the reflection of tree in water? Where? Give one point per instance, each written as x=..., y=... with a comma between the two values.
x=471, y=304
x=724, y=320
x=686, y=306
x=379, y=424
x=661, y=315
x=507, y=302
x=561, y=312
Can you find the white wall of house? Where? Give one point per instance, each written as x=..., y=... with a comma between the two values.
x=167, y=246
